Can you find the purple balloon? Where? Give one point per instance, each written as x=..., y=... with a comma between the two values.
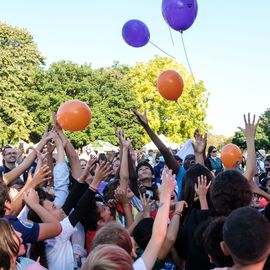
x=179, y=14
x=135, y=33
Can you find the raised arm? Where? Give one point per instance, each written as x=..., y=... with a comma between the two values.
x=250, y=132
x=171, y=162
x=172, y=230
x=60, y=174
x=122, y=197
x=160, y=224
x=51, y=226
x=124, y=172
x=70, y=151
x=11, y=176
x=199, y=147
x=42, y=175
x=201, y=190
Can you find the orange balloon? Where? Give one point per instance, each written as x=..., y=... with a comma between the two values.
x=231, y=155
x=170, y=85
x=74, y=115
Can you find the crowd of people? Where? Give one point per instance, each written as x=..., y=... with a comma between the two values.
x=130, y=210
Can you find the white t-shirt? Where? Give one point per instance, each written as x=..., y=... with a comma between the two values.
x=139, y=265
x=59, y=249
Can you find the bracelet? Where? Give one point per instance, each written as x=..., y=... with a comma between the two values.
x=93, y=188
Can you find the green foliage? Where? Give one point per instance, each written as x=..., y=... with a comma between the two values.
x=29, y=93
x=166, y=117
x=106, y=91
x=262, y=139
x=218, y=141
x=19, y=60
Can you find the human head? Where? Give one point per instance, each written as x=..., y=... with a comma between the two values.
x=9, y=154
x=143, y=232
x=179, y=160
x=189, y=161
x=213, y=236
x=144, y=171
x=4, y=199
x=108, y=257
x=261, y=154
x=230, y=191
x=10, y=245
x=113, y=233
x=267, y=164
x=212, y=151
x=115, y=166
x=46, y=200
x=102, y=158
x=189, y=180
x=246, y=235
x=83, y=163
x=104, y=214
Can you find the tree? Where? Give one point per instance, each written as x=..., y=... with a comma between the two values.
x=19, y=60
x=262, y=138
x=105, y=90
x=165, y=116
x=218, y=141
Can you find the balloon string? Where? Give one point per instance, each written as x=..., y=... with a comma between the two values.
x=197, y=123
x=171, y=35
x=162, y=50
x=185, y=51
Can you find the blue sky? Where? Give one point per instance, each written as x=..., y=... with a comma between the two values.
x=228, y=45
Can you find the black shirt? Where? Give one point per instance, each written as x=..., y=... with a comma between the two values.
x=189, y=243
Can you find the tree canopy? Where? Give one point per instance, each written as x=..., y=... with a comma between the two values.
x=262, y=139
x=30, y=92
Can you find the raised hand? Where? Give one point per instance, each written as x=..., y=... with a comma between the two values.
x=86, y=176
x=179, y=207
x=31, y=197
x=42, y=175
x=168, y=182
x=141, y=117
x=202, y=187
x=56, y=126
x=102, y=171
x=42, y=155
x=121, y=196
x=200, y=142
x=250, y=127
x=147, y=204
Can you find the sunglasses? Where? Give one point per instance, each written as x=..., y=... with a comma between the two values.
x=214, y=151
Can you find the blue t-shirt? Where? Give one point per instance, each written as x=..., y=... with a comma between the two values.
x=179, y=179
x=28, y=230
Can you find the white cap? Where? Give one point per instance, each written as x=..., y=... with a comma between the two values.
x=262, y=152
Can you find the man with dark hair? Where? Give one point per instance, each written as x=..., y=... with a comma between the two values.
x=9, y=163
x=145, y=176
x=246, y=238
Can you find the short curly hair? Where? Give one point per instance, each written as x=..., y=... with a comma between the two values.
x=230, y=191
x=213, y=236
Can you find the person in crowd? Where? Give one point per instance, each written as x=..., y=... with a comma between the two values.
x=148, y=258
x=213, y=162
x=12, y=248
x=246, y=238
